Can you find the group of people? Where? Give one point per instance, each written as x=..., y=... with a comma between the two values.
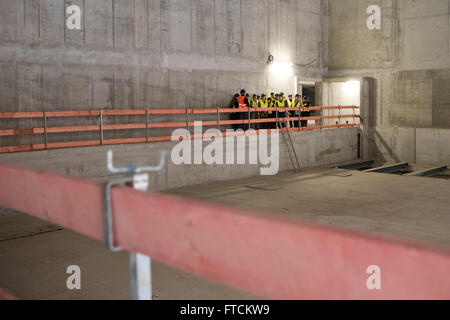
x=245, y=101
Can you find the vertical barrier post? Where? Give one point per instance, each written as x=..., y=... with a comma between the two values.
x=146, y=126
x=218, y=118
x=101, y=127
x=45, y=130
x=249, y=119
x=140, y=265
x=354, y=117
x=277, y=118
x=187, y=119
x=321, y=117
x=339, y=119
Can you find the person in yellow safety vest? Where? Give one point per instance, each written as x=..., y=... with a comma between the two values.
x=253, y=104
x=258, y=106
x=282, y=103
x=290, y=101
x=275, y=101
x=269, y=114
x=305, y=112
x=297, y=103
x=254, y=101
x=273, y=114
x=263, y=104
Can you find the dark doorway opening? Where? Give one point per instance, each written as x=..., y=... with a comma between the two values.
x=309, y=91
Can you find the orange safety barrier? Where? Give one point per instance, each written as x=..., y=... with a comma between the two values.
x=148, y=125
x=266, y=255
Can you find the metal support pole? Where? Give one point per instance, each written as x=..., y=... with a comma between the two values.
x=101, y=127
x=187, y=118
x=277, y=116
x=354, y=116
x=45, y=130
x=218, y=118
x=249, y=119
x=339, y=119
x=141, y=277
x=147, y=133
x=140, y=265
x=321, y=117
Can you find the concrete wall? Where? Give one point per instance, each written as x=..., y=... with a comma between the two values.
x=409, y=58
x=150, y=53
x=313, y=148
x=343, y=93
x=198, y=53
x=415, y=145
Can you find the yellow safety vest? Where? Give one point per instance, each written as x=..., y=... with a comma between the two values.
x=263, y=103
x=304, y=108
x=270, y=105
x=281, y=104
x=296, y=104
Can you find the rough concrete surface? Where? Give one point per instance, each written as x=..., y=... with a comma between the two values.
x=34, y=260
x=409, y=58
x=380, y=204
x=176, y=54
x=313, y=148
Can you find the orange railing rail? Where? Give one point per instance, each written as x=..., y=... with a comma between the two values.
x=101, y=127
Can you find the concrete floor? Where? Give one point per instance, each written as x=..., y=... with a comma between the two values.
x=34, y=254
x=409, y=208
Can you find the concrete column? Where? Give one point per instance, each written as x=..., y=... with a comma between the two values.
x=367, y=102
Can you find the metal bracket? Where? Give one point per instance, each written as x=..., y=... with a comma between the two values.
x=108, y=233
x=141, y=182
x=112, y=169
x=140, y=265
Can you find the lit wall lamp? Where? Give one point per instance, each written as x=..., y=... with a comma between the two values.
x=281, y=68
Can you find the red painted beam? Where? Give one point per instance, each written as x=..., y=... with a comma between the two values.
x=268, y=256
